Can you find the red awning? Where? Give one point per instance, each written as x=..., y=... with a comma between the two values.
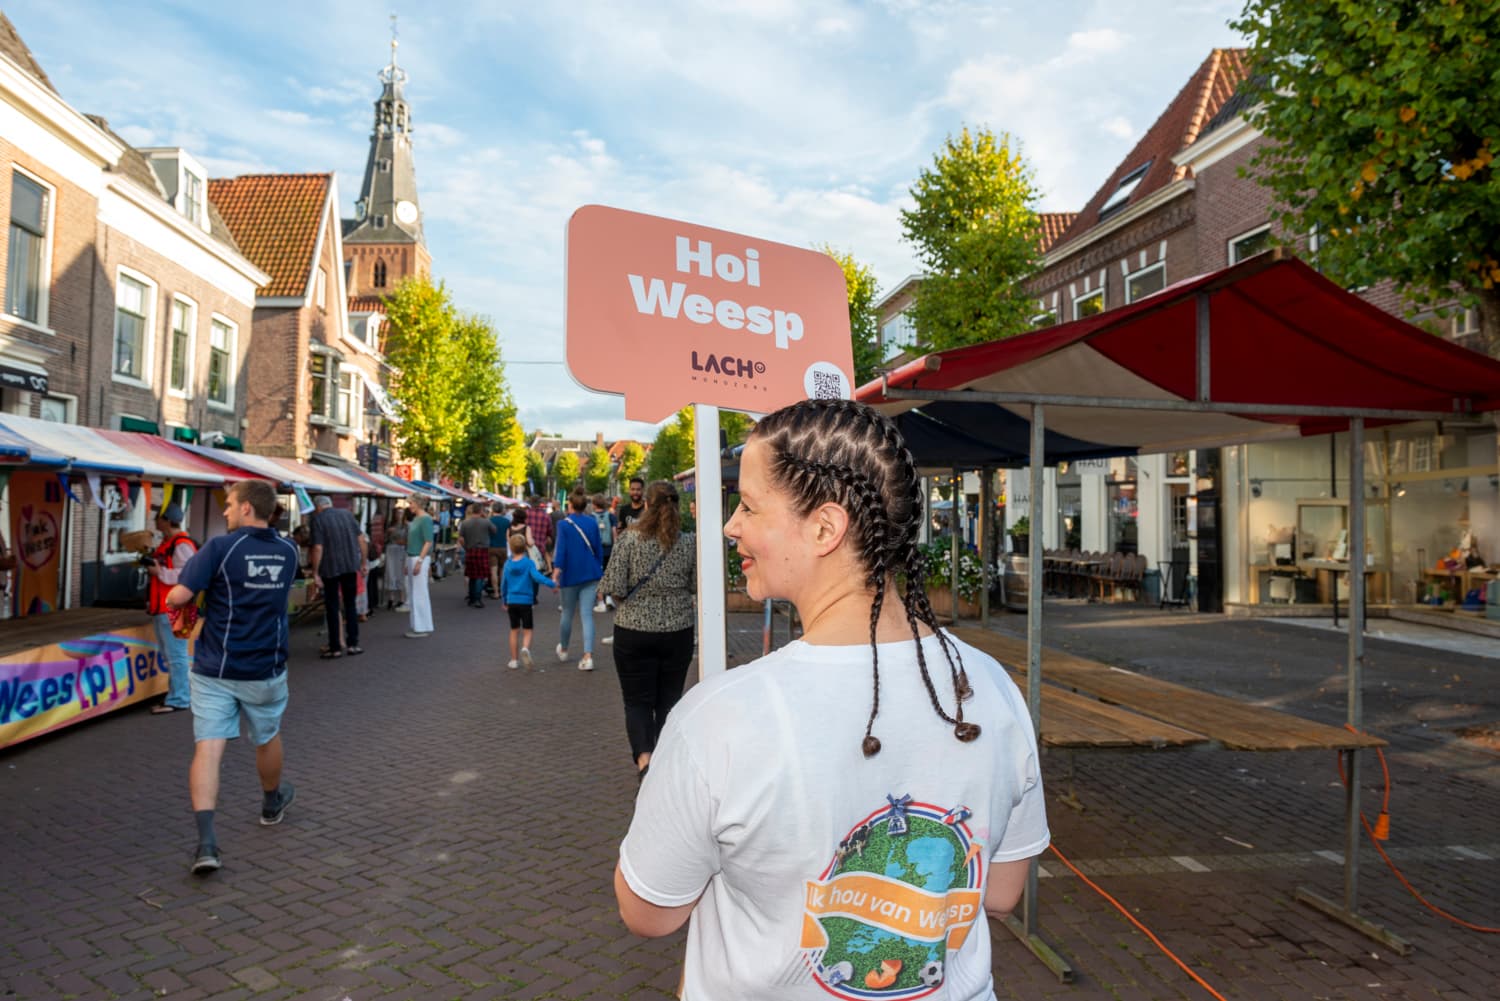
x=1280, y=337
x=191, y=467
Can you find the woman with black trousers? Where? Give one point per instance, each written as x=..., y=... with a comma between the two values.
x=652, y=574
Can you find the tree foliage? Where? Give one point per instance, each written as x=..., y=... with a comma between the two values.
x=976, y=232
x=632, y=458
x=565, y=470
x=1384, y=120
x=859, y=279
x=448, y=387
x=597, y=470
x=536, y=471
x=673, y=450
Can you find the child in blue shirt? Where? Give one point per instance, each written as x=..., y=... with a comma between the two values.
x=520, y=576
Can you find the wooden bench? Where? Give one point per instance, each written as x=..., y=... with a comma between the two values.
x=1230, y=723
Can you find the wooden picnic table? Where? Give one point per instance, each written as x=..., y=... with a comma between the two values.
x=1230, y=723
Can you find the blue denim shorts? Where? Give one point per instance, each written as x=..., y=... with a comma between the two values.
x=218, y=703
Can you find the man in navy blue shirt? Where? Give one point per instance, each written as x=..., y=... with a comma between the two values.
x=239, y=661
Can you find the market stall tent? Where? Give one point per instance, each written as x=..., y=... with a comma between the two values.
x=1265, y=349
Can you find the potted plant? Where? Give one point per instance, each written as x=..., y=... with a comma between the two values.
x=1020, y=535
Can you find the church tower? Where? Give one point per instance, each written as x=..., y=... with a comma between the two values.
x=383, y=243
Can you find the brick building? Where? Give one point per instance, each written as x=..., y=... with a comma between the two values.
x=310, y=374
x=127, y=304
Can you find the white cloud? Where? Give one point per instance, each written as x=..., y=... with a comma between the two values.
x=1094, y=42
x=1118, y=126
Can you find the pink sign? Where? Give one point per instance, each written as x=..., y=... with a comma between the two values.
x=667, y=313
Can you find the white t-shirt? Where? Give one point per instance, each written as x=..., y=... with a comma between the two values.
x=821, y=871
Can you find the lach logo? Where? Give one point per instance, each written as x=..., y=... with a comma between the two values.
x=728, y=366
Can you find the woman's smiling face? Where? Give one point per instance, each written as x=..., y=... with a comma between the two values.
x=769, y=534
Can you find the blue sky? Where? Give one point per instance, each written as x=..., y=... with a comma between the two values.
x=804, y=123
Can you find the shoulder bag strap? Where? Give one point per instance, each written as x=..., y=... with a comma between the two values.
x=581, y=534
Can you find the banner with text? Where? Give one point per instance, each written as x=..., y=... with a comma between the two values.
x=49, y=687
x=36, y=521
x=668, y=313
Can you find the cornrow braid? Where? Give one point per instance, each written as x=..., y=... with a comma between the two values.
x=864, y=465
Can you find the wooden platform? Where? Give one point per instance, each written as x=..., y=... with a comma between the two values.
x=1229, y=723
x=17, y=635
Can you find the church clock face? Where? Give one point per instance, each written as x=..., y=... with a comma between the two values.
x=406, y=212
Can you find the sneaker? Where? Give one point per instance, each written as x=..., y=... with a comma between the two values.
x=587, y=663
x=273, y=814
x=608, y=640
x=562, y=654
x=416, y=635
x=526, y=657
x=403, y=607
x=206, y=859
x=513, y=664
x=600, y=607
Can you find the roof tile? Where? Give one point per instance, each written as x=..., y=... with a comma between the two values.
x=275, y=219
x=1054, y=225
x=1178, y=127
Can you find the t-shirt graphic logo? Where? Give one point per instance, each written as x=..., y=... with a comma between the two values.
x=904, y=886
x=268, y=570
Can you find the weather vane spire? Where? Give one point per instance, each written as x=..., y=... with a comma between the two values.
x=393, y=73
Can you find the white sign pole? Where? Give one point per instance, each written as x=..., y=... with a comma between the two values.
x=712, y=653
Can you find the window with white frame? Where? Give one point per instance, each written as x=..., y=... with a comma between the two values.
x=320, y=288
x=1124, y=190
x=350, y=400
x=133, y=301
x=1242, y=248
x=192, y=196
x=221, y=362
x=897, y=334
x=322, y=368
x=26, y=265
x=58, y=408
x=1088, y=304
x=180, y=347
x=1046, y=318
x=1466, y=328
x=1145, y=282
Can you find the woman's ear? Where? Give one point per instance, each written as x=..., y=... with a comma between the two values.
x=828, y=525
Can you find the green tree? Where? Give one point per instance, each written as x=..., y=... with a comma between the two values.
x=1384, y=120
x=976, y=232
x=536, y=471
x=596, y=472
x=484, y=401
x=632, y=458
x=735, y=425
x=673, y=451
x=511, y=460
x=565, y=469
x=859, y=279
x=420, y=346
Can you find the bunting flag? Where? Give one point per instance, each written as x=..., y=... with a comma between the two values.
x=4, y=479
x=304, y=502
x=187, y=500
x=63, y=479
x=166, y=493
x=96, y=489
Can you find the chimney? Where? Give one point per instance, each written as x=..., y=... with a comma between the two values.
x=599, y=438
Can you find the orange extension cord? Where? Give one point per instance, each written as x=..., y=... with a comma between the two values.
x=1382, y=830
x=1144, y=930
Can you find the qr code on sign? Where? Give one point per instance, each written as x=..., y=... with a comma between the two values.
x=827, y=386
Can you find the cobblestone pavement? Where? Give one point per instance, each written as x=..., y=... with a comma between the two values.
x=456, y=825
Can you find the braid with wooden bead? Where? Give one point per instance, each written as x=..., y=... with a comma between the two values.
x=864, y=465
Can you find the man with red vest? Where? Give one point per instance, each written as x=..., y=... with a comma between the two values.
x=166, y=562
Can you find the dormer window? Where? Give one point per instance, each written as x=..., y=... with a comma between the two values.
x=1126, y=188
x=192, y=196
x=380, y=222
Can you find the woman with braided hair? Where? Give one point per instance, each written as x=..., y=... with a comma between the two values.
x=840, y=816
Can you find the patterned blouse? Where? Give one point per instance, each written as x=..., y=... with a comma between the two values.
x=663, y=604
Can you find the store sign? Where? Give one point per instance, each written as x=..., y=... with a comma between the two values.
x=667, y=313
x=404, y=471
x=16, y=378
x=1092, y=467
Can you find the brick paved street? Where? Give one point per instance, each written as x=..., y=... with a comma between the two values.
x=456, y=826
